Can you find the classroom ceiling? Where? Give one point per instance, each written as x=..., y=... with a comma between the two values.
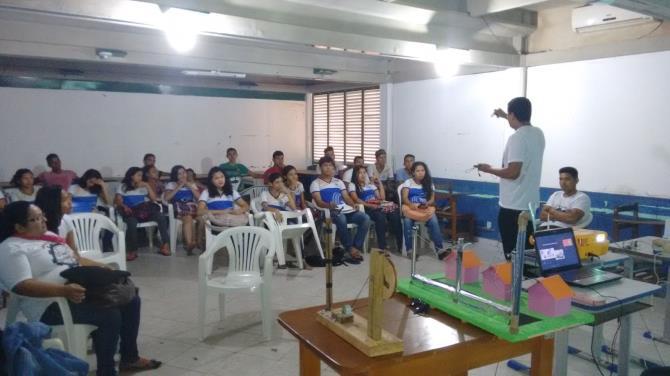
x=306, y=44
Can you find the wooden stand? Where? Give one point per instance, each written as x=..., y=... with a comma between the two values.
x=368, y=336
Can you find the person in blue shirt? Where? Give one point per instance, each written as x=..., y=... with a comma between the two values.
x=404, y=173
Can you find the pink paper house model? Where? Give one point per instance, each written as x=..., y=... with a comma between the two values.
x=550, y=296
x=470, y=267
x=498, y=281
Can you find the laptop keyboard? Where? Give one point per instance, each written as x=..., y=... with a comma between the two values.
x=583, y=273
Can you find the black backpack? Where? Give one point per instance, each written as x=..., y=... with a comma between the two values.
x=316, y=261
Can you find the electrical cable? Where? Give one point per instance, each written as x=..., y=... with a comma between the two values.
x=618, y=326
x=595, y=360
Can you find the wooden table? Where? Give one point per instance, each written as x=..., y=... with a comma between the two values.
x=434, y=344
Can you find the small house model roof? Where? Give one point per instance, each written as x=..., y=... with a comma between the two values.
x=503, y=271
x=556, y=287
x=470, y=258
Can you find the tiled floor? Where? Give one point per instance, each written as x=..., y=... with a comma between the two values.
x=235, y=346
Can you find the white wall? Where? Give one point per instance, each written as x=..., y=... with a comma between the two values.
x=447, y=122
x=112, y=131
x=609, y=118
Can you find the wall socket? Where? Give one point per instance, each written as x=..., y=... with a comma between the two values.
x=488, y=225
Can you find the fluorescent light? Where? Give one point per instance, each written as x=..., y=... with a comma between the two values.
x=447, y=62
x=212, y=73
x=181, y=28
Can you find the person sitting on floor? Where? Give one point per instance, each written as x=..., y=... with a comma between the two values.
x=31, y=260
x=24, y=188
x=135, y=202
x=567, y=207
x=331, y=193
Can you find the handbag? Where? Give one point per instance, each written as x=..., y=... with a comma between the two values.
x=418, y=214
x=105, y=287
x=144, y=211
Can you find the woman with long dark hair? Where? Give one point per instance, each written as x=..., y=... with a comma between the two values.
x=135, y=201
x=222, y=205
x=418, y=195
x=24, y=188
x=89, y=193
x=31, y=260
x=183, y=195
x=56, y=204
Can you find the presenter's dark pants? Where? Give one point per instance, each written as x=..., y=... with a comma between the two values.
x=508, y=220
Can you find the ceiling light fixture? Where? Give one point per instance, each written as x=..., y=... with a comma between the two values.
x=447, y=62
x=181, y=28
x=212, y=73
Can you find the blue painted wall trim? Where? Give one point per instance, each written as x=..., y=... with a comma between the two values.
x=481, y=198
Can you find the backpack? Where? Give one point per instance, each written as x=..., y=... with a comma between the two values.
x=315, y=260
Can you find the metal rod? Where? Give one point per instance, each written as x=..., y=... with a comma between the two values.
x=459, y=266
x=329, y=264
x=444, y=286
x=415, y=231
x=517, y=270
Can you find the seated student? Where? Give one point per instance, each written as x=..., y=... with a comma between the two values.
x=90, y=192
x=381, y=169
x=220, y=203
x=57, y=176
x=149, y=160
x=294, y=185
x=277, y=198
x=135, y=202
x=329, y=151
x=24, y=186
x=236, y=171
x=372, y=197
x=418, y=194
x=567, y=207
x=347, y=174
x=56, y=205
x=277, y=165
x=151, y=175
x=31, y=260
x=404, y=173
x=330, y=192
x=192, y=179
x=183, y=195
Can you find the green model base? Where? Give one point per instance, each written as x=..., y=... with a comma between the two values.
x=487, y=318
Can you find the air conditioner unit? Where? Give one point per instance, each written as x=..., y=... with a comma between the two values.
x=597, y=17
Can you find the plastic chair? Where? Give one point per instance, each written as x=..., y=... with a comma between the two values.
x=87, y=231
x=249, y=248
x=74, y=336
x=422, y=225
x=253, y=192
x=150, y=226
x=285, y=232
x=257, y=212
x=333, y=227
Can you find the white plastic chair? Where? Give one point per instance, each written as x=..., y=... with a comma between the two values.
x=175, y=227
x=294, y=232
x=333, y=227
x=254, y=192
x=422, y=225
x=248, y=248
x=256, y=211
x=87, y=230
x=150, y=226
x=74, y=336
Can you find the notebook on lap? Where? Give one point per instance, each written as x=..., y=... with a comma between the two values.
x=557, y=254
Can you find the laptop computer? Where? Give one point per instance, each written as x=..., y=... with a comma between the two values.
x=557, y=254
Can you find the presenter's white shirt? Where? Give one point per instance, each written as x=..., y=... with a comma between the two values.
x=526, y=145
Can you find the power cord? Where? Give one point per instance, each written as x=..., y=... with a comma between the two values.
x=616, y=333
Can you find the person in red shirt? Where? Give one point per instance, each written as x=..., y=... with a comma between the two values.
x=277, y=167
x=57, y=176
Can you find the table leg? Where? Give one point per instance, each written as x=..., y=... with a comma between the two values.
x=561, y=353
x=542, y=357
x=597, y=340
x=628, y=266
x=625, y=334
x=310, y=365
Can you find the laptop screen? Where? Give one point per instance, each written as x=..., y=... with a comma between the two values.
x=557, y=250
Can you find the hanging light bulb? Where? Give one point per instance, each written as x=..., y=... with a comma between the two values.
x=181, y=28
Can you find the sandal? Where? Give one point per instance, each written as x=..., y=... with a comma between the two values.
x=131, y=256
x=140, y=365
x=165, y=250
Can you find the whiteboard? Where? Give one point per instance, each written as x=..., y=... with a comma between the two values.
x=112, y=131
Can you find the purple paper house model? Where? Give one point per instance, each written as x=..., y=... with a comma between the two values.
x=470, y=266
x=550, y=296
x=498, y=281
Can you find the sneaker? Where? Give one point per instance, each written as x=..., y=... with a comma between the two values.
x=442, y=253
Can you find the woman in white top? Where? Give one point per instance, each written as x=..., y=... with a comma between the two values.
x=277, y=198
x=24, y=186
x=294, y=185
x=183, y=194
x=56, y=205
x=31, y=260
x=418, y=192
x=372, y=197
x=222, y=205
x=135, y=202
x=90, y=193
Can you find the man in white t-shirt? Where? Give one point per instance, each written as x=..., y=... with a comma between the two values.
x=567, y=207
x=380, y=169
x=346, y=175
x=520, y=173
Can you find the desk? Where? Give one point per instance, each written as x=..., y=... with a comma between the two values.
x=434, y=344
x=641, y=249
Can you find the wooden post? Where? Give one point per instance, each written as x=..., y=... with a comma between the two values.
x=329, y=263
x=375, y=296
